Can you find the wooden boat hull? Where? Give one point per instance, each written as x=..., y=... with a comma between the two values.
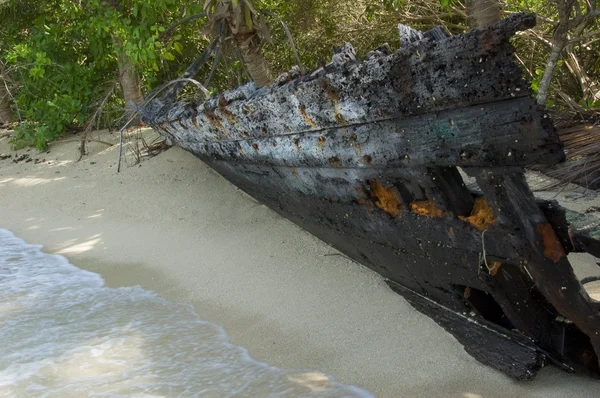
x=365, y=156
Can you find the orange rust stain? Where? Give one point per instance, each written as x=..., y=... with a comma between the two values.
x=295, y=172
x=227, y=113
x=321, y=141
x=307, y=118
x=387, y=198
x=481, y=216
x=467, y=293
x=242, y=151
x=367, y=159
x=335, y=161
x=334, y=97
x=494, y=266
x=248, y=109
x=215, y=121
x=426, y=208
x=331, y=93
x=223, y=102
x=195, y=123
x=552, y=247
x=451, y=233
x=339, y=118
x=357, y=149
x=297, y=143
x=255, y=147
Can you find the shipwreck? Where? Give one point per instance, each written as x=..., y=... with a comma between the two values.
x=372, y=156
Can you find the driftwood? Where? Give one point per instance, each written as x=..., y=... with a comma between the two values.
x=364, y=155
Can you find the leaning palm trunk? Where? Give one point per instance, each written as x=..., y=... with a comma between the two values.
x=483, y=12
x=130, y=83
x=250, y=46
x=6, y=114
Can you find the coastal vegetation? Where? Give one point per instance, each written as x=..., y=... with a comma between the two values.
x=72, y=65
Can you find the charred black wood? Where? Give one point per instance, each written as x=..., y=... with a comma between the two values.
x=513, y=354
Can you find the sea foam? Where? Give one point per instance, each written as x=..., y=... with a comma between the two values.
x=63, y=333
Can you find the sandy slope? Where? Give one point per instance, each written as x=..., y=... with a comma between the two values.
x=173, y=225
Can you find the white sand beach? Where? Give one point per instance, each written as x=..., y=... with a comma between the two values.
x=173, y=225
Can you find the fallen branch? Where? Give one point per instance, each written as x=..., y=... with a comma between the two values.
x=90, y=124
x=181, y=22
x=137, y=111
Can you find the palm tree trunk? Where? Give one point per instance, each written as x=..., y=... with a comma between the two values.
x=258, y=68
x=130, y=84
x=6, y=114
x=483, y=12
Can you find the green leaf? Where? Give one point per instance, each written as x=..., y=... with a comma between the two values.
x=37, y=72
x=168, y=56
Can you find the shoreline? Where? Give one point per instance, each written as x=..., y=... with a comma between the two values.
x=172, y=225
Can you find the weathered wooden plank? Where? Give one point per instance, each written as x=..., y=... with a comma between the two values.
x=546, y=261
x=509, y=352
x=448, y=191
x=459, y=137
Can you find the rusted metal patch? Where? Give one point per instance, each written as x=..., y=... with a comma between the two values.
x=552, y=246
x=482, y=215
x=493, y=267
x=388, y=199
x=339, y=118
x=357, y=149
x=246, y=108
x=426, y=208
x=467, y=293
x=335, y=161
x=216, y=121
x=321, y=142
x=305, y=116
x=228, y=114
x=295, y=173
x=183, y=126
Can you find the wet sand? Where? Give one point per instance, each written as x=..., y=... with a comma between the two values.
x=173, y=225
